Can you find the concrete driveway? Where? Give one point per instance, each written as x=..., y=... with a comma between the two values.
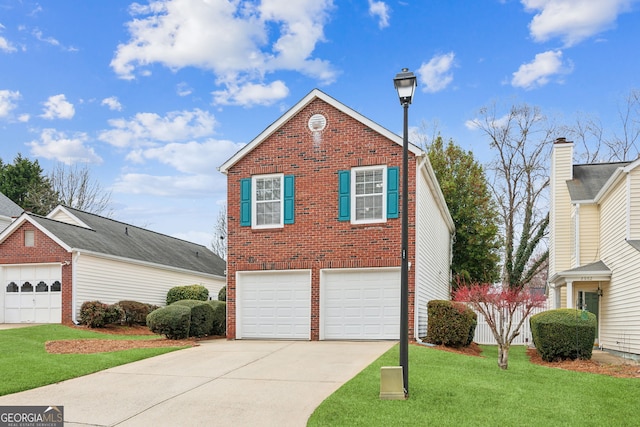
x=221, y=383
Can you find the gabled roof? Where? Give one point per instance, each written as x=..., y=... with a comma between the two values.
x=108, y=237
x=314, y=94
x=8, y=208
x=595, y=271
x=589, y=179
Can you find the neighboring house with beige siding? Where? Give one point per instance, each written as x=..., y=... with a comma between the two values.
x=50, y=265
x=594, y=245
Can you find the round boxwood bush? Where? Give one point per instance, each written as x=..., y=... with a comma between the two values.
x=172, y=321
x=450, y=323
x=564, y=333
x=219, y=317
x=178, y=293
x=201, y=316
x=222, y=293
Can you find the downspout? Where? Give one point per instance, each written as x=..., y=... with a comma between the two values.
x=74, y=316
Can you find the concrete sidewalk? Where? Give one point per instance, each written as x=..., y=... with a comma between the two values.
x=221, y=383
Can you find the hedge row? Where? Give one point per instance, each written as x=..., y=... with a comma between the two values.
x=96, y=314
x=204, y=318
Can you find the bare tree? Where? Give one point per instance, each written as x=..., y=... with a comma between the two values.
x=77, y=189
x=587, y=133
x=623, y=146
x=219, y=242
x=519, y=178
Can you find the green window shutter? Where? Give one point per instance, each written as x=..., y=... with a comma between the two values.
x=245, y=202
x=392, y=192
x=289, y=193
x=344, y=190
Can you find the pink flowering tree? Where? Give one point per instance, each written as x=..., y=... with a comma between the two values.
x=504, y=309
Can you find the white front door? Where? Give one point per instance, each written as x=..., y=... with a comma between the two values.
x=32, y=293
x=273, y=304
x=360, y=303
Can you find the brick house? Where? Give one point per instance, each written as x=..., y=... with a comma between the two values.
x=50, y=265
x=314, y=231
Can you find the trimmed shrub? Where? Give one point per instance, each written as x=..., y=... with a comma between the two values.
x=222, y=293
x=196, y=292
x=219, y=317
x=201, y=316
x=96, y=314
x=135, y=313
x=450, y=323
x=172, y=321
x=565, y=333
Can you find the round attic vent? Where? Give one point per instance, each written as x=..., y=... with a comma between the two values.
x=317, y=123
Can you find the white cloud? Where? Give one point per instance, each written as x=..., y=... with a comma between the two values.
x=183, y=89
x=238, y=41
x=380, y=10
x=5, y=45
x=168, y=185
x=573, y=20
x=57, y=107
x=58, y=146
x=37, y=33
x=251, y=94
x=113, y=103
x=539, y=72
x=6, y=101
x=149, y=129
x=24, y=118
x=436, y=74
x=191, y=157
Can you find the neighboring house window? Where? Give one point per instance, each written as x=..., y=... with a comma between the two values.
x=267, y=201
x=368, y=194
x=29, y=238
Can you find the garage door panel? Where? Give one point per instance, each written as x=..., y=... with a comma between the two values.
x=28, y=294
x=274, y=305
x=360, y=304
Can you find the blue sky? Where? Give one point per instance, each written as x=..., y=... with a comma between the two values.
x=154, y=96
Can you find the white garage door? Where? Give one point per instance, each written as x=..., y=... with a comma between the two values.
x=360, y=304
x=32, y=294
x=274, y=305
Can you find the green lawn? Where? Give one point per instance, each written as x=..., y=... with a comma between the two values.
x=447, y=389
x=24, y=363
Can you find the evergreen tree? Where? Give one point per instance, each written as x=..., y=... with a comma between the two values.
x=476, y=250
x=23, y=182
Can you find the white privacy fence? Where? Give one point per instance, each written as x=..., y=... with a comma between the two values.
x=484, y=335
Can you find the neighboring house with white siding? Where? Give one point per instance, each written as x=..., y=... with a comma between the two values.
x=594, y=245
x=9, y=211
x=50, y=265
x=314, y=231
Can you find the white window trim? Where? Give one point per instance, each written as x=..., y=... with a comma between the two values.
x=353, y=195
x=254, y=209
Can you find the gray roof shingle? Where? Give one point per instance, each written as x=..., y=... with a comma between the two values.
x=589, y=179
x=9, y=208
x=115, y=238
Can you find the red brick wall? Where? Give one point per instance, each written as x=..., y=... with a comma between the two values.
x=317, y=239
x=45, y=250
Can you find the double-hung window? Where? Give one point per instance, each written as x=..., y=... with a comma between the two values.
x=267, y=201
x=368, y=186
x=368, y=194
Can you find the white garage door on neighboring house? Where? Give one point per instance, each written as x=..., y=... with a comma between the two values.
x=360, y=304
x=273, y=304
x=32, y=293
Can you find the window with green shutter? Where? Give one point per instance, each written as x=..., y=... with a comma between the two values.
x=267, y=201
x=368, y=194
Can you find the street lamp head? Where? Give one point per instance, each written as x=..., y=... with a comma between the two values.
x=405, y=83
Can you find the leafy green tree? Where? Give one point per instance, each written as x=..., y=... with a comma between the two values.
x=23, y=182
x=476, y=250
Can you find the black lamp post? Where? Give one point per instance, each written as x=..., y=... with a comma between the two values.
x=405, y=83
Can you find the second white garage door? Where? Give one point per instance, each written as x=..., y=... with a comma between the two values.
x=273, y=304
x=360, y=303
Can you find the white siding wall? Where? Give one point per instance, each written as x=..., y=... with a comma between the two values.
x=63, y=217
x=433, y=254
x=560, y=244
x=620, y=304
x=110, y=281
x=589, y=234
x=634, y=207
